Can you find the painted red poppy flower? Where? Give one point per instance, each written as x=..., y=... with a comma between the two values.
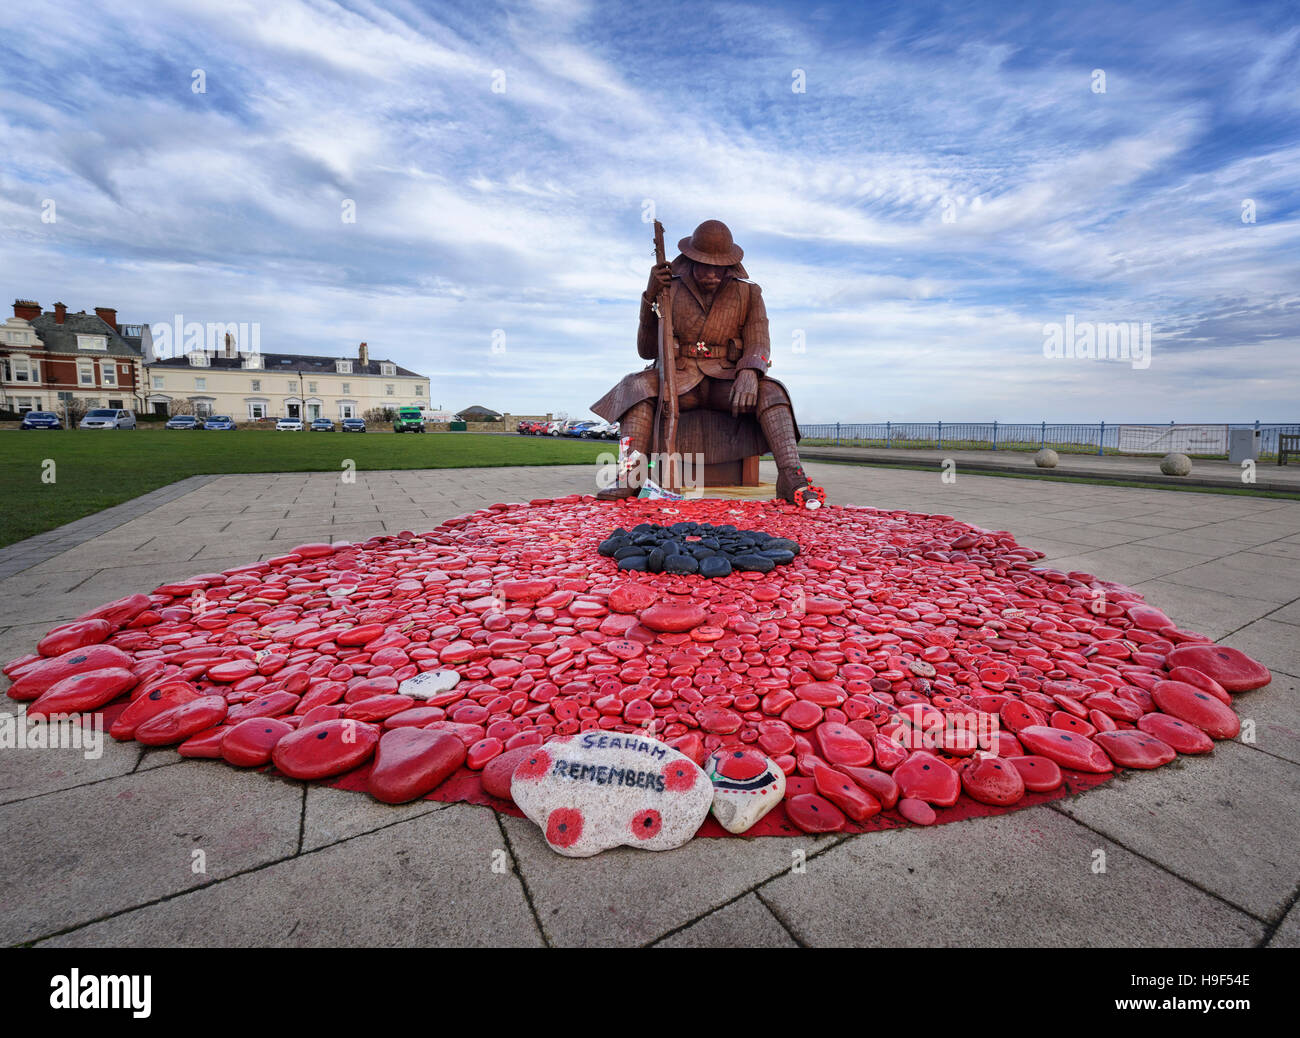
x=679, y=776
x=645, y=825
x=534, y=766
x=564, y=827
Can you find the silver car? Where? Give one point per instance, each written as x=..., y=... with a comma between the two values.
x=107, y=418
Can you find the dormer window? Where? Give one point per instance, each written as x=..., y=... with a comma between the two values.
x=253, y=360
x=388, y=369
x=92, y=342
x=198, y=359
x=343, y=367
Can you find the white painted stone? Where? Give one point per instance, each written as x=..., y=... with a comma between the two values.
x=596, y=790
x=429, y=684
x=1046, y=458
x=746, y=786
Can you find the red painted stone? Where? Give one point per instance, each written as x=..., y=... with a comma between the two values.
x=231, y=671
x=1231, y=668
x=802, y=715
x=410, y=762
x=814, y=814
x=991, y=780
x=1076, y=752
x=632, y=597
x=1191, y=676
x=918, y=812
x=841, y=745
x=499, y=771
x=45, y=675
x=1183, y=737
x=923, y=776
x=88, y=690
x=878, y=783
x=178, y=723
x=206, y=745
x=526, y=590
x=120, y=611
x=845, y=794
x=325, y=749
x=273, y=704
x=157, y=700
x=1188, y=703
x=249, y=743
x=478, y=755
x=69, y=636
x=673, y=617
x=1135, y=749
x=1039, y=774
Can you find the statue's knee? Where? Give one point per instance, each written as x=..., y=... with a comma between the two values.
x=771, y=395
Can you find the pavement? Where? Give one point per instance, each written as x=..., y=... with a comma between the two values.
x=140, y=847
x=1114, y=467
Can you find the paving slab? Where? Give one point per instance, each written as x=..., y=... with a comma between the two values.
x=1212, y=613
x=425, y=881
x=745, y=923
x=1222, y=821
x=1020, y=880
x=332, y=814
x=1287, y=934
x=109, y=846
x=633, y=897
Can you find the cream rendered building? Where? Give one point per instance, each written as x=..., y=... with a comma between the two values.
x=253, y=386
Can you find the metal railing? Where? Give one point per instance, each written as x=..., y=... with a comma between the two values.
x=1074, y=438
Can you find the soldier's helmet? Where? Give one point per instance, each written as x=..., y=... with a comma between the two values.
x=712, y=243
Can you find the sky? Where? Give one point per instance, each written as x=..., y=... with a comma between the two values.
x=922, y=190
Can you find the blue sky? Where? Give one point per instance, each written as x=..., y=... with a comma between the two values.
x=949, y=181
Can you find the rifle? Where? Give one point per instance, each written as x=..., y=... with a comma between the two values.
x=666, y=412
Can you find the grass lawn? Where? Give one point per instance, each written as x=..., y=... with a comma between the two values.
x=95, y=470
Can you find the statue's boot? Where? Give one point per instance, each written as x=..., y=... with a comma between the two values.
x=637, y=424
x=777, y=421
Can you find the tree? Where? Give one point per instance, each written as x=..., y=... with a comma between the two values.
x=379, y=415
x=74, y=410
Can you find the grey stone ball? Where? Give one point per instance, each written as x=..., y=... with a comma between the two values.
x=1046, y=458
x=1176, y=465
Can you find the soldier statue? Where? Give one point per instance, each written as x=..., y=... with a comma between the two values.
x=729, y=406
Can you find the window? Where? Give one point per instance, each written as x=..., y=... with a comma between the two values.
x=157, y=382
x=388, y=369
x=389, y=389
x=419, y=390
x=27, y=403
x=92, y=342
x=347, y=387
x=17, y=338
x=202, y=408
x=253, y=360
x=343, y=367
x=256, y=411
x=293, y=385
x=108, y=375
x=347, y=411
x=311, y=387
x=86, y=372
x=257, y=385
x=24, y=370
x=199, y=359
x=200, y=383
x=116, y=404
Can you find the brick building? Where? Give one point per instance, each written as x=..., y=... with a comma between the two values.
x=47, y=357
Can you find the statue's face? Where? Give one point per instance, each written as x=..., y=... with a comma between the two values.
x=707, y=277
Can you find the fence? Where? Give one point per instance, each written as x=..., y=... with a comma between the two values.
x=1203, y=440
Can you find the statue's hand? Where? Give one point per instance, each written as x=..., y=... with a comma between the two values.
x=744, y=391
x=661, y=277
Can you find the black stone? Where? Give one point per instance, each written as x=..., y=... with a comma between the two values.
x=758, y=563
x=680, y=564
x=629, y=551
x=655, y=561
x=715, y=566
x=633, y=562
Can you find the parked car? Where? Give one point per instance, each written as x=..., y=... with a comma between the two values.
x=524, y=427
x=41, y=420
x=611, y=433
x=183, y=421
x=219, y=422
x=289, y=425
x=107, y=418
x=409, y=419
x=321, y=425
x=354, y=425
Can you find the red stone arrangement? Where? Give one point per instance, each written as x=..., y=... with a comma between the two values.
x=903, y=669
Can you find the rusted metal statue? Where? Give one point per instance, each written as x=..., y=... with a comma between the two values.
x=708, y=391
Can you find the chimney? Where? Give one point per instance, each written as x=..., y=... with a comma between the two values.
x=108, y=315
x=232, y=348
x=27, y=309
x=365, y=355
x=60, y=313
